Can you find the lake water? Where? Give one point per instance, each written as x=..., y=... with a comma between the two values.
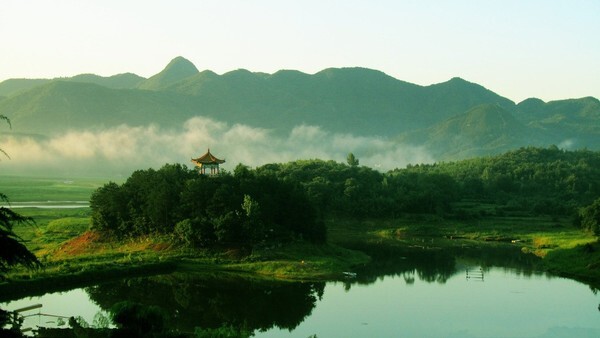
x=412, y=294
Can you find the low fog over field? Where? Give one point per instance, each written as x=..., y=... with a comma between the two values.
x=119, y=150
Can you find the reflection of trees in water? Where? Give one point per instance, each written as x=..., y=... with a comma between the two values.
x=212, y=301
x=502, y=256
x=438, y=265
x=397, y=260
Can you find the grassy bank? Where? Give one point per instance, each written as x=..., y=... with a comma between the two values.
x=566, y=250
x=72, y=255
x=581, y=262
x=61, y=241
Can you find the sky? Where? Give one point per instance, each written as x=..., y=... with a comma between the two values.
x=518, y=49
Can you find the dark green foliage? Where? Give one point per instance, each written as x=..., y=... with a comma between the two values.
x=110, y=207
x=13, y=330
x=241, y=209
x=138, y=320
x=539, y=180
x=222, y=332
x=12, y=249
x=590, y=217
x=282, y=201
x=352, y=160
x=363, y=192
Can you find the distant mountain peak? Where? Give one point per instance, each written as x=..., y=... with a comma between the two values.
x=457, y=79
x=181, y=64
x=177, y=70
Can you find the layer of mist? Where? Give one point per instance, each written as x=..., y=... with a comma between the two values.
x=117, y=151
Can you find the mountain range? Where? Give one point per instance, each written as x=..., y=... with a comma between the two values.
x=452, y=120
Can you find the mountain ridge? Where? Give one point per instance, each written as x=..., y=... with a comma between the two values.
x=349, y=100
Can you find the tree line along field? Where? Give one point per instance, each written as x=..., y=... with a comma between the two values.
x=541, y=198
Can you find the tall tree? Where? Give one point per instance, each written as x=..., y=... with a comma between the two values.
x=590, y=217
x=12, y=250
x=352, y=160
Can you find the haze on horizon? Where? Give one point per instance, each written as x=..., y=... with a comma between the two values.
x=117, y=151
x=518, y=49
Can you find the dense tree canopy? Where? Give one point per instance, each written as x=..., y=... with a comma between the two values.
x=287, y=200
x=538, y=180
x=244, y=208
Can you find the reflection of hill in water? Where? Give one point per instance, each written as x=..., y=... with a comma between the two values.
x=211, y=301
x=438, y=265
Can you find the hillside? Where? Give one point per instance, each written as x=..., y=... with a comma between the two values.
x=575, y=120
x=119, y=81
x=12, y=86
x=456, y=118
x=487, y=129
x=63, y=105
x=356, y=100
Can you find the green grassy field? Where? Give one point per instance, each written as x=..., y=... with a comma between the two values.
x=51, y=227
x=28, y=189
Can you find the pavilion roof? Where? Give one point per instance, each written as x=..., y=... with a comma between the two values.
x=207, y=158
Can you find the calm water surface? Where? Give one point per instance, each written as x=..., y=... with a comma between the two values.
x=504, y=304
x=413, y=294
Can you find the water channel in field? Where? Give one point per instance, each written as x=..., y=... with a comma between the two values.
x=403, y=293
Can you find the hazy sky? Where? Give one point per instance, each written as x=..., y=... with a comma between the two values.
x=519, y=49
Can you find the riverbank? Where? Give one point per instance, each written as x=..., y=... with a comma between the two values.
x=108, y=261
x=71, y=253
x=564, y=250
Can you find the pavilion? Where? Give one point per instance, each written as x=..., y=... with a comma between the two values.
x=208, y=161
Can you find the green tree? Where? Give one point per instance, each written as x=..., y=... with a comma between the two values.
x=351, y=160
x=252, y=224
x=590, y=217
x=12, y=250
x=109, y=207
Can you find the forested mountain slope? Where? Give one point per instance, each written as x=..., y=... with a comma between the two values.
x=454, y=119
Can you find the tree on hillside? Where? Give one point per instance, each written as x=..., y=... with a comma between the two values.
x=590, y=217
x=352, y=160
